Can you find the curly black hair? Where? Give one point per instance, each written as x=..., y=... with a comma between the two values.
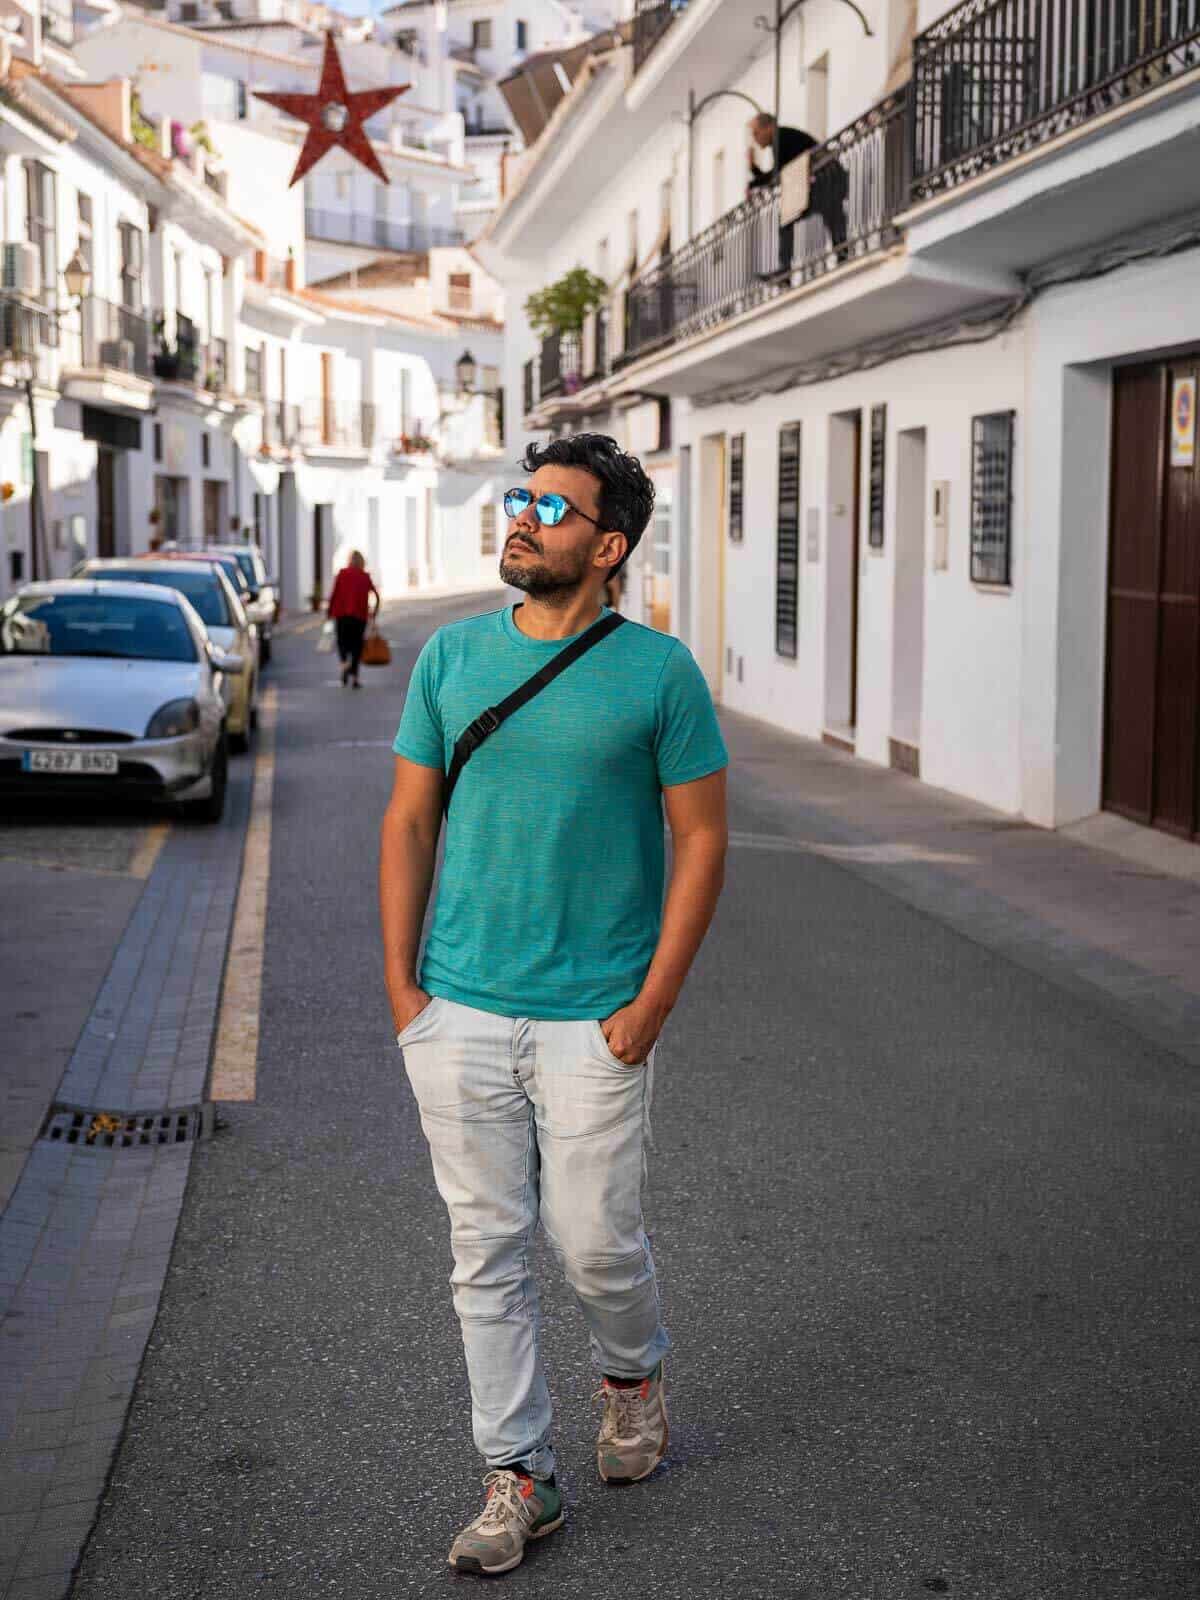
x=626, y=491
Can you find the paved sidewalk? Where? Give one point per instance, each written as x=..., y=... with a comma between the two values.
x=1119, y=925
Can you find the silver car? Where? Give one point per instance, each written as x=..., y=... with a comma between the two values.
x=112, y=688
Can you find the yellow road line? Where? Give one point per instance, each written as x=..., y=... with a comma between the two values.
x=146, y=853
x=235, y=1061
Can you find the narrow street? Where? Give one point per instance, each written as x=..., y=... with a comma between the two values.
x=924, y=1203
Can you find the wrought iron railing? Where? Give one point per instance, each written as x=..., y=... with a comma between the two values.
x=326, y=423
x=857, y=186
x=558, y=365
x=651, y=19
x=598, y=366
x=281, y=424
x=356, y=227
x=114, y=336
x=28, y=334
x=994, y=78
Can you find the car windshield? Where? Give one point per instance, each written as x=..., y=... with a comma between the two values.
x=233, y=571
x=93, y=624
x=246, y=562
x=202, y=588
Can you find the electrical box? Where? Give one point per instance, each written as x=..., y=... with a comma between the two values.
x=941, y=524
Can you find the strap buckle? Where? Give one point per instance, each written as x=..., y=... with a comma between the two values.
x=487, y=722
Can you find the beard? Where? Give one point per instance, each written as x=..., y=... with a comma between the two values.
x=537, y=580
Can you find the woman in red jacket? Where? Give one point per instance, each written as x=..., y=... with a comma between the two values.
x=350, y=608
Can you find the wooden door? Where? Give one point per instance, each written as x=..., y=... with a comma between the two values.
x=855, y=554
x=106, y=508
x=318, y=556
x=1152, y=700
x=212, y=511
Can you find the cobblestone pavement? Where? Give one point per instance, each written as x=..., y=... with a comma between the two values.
x=924, y=1200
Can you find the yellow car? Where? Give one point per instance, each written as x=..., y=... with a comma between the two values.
x=205, y=583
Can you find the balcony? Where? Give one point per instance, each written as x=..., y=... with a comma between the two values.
x=992, y=81
x=280, y=425
x=29, y=335
x=115, y=337
x=329, y=424
x=376, y=233
x=559, y=365
x=857, y=188
x=651, y=20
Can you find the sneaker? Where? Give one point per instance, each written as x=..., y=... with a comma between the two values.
x=518, y=1508
x=633, y=1431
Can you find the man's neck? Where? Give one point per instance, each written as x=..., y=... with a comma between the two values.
x=544, y=622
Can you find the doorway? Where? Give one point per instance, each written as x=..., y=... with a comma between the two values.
x=710, y=573
x=908, y=617
x=841, y=579
x=322, y=529
x=214, y=503
x=106, y=501
x=1152, y=692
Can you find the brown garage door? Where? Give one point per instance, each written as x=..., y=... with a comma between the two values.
x=1152, y=713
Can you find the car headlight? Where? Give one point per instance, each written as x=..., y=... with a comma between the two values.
x=176, y=717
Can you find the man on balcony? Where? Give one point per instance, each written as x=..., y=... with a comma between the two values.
x=827, y=189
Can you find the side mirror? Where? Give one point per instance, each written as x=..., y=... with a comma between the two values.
x=231, y=665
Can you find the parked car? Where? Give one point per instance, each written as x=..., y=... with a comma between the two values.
x=230, y=563
x=208, y=587
x=111, y=688
x=263, y=607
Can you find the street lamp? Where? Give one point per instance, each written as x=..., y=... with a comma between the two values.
x=464, y=371
x=76, y=276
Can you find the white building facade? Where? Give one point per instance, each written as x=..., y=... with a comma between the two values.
x=930, y=449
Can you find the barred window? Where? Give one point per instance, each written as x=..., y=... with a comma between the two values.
x=991, y=497
x=787, y=543
x=878, y=449
x=737, y=471
x=487, y=529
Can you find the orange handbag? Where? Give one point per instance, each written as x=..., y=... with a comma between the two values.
x=376, y=651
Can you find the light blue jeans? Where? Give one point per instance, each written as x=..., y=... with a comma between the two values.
x=531, y=1120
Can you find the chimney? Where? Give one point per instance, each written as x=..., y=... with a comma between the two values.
x=109, y=103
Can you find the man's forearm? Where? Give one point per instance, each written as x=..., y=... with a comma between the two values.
x=697, y=878
x=406, y=866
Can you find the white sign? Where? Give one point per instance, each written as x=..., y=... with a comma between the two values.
x=793, y=190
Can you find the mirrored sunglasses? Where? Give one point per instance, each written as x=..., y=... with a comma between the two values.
x=549, y=509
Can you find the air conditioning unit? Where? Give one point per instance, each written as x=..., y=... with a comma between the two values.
x=20, y=268
x=117, y=353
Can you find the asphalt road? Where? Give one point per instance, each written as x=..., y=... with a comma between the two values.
x=927, y=1233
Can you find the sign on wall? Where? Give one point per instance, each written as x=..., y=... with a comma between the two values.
x=1183, y=422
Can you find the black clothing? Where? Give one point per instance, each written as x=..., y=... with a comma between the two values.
x=827, y=191
x=351, y=632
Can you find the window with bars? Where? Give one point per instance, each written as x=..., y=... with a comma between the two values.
x=460, y=291
x=481, y=34
x=787, y=543
x=83, y=205
x=991, y=497
x=737, y=470
x=487, y=529
x=254, y=369
x=132, y=265
x=875, y=495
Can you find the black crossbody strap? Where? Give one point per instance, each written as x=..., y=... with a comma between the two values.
x=488, y=721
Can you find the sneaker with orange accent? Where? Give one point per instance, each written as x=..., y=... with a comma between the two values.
x=518, y=1508
x=633, y=1430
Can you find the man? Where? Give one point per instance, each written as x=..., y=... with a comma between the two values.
x=828, y=188
x=350, y=610
x=551, y=965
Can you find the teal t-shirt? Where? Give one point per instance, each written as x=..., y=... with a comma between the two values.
x=550, y=898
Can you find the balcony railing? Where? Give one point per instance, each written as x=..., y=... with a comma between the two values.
x=857, y=186
x=651, y=19
x=596, y=345
x=377, y=233
x=994, y=78
x=114, y=336
x=559, y=364
x=327, y=424
x=281, y=424
x=28, y=335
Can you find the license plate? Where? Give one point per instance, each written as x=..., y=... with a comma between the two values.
x=86, y=762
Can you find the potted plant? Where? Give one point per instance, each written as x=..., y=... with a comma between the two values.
x=562, y=306
x=166, y=358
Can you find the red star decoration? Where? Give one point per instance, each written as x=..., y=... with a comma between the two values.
x=334, y=115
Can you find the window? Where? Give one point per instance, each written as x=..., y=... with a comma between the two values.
x=787, y=543
x=737, y=464
x=84, y=212
x=991, y=497
x=487, y=529
x=460, y=291
x=205, y=450
x=875, y=498
x=188, y=11
x=158, y=441
x=242, y=105
x=41, y=211
x=254, y=369
x=132, y=263
x=481, y=35
x=522, y=35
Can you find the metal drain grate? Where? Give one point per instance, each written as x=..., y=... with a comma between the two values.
x=121, y=1130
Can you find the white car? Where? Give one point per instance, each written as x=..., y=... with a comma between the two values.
x=112, y=689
